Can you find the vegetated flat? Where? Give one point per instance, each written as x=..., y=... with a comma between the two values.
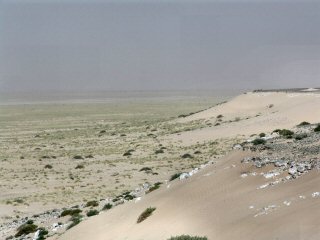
x=55, y=155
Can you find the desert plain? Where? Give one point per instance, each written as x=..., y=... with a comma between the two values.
x=244, y=167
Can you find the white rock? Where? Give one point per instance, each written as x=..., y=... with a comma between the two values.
x=184, y=176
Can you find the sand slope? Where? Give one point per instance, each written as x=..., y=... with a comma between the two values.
x=215, y=203
x=252, y=113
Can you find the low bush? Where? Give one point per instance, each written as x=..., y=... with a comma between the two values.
x=186, y=155
x=188, y=237
x=92, y=212
x=317, y=129
x=77, y=157
x=145, y=214
x=70, y=212
x=258, y=141
x=93, y=203
x=301, y=136
x=107, y=206
x=303, y=124
x=75, y=220
x=174, y=176
x=262, y=135
x=48, y=166
x=145, y=169
x=159, y=151
x=42, y=233
x=26, y=228
x=154, y=187
x=286, y=133
x=79, y=166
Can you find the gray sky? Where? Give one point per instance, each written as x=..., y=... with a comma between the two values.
x=158, y=45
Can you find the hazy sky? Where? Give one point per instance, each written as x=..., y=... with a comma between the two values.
x=145, y=45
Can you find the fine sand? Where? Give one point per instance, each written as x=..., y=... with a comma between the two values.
x=252, y=113
x=218, y=203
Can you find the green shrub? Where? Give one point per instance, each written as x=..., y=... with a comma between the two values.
x=317, y=129
x=145, y=214
x=42, y=233
x=186, y=155
x=159, y=151
x=145, y=169
x=188, y=237
x=258, y=141
x=107, y=206
x=77, y=157
x=70, y=212
x=154, y=187
x=175, y=176
x=93, y=203
x=48, y=166
x=75, y=221
x=286, y=133
x=301, y=136
x=26, y=228
x=79, y=166
x=262, y=135
x=303, y=124
x=92, y=212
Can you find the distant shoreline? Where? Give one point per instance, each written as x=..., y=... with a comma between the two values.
x=109, y=97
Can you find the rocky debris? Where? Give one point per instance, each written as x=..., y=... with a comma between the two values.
x=293, y=156
x=266, y=210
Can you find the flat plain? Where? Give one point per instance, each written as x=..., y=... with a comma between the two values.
x=56, y=155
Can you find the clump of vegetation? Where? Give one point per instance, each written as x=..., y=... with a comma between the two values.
x=128, y=153
x=188, y=237
x=174, y=176
x=92, y=212
x=107, y=206
x=284, y=132
x=159, y=151
x=303, y=124
x=77, y=157
x=89, y=156
x=70, y=212
x=42, y=233
x=301, y=136
x=154, y=187
x=186, y=155
x=75, y=220
x=258, y=141
x=220, y=116
x=48, y=166
x=197, y=152
x=92, y=203
x=26, y=228
x=79, y=166
x=145, y=169
x=317, y=129
x=262, y=135
x=145, y=214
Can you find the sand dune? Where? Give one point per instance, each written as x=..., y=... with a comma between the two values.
x=218, y=203
x=229, y=199
x=252, y=113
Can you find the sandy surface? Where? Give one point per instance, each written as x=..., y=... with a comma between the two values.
x=252, y=113
x=218, y=203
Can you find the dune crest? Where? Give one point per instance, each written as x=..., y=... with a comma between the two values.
x=252, y=113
